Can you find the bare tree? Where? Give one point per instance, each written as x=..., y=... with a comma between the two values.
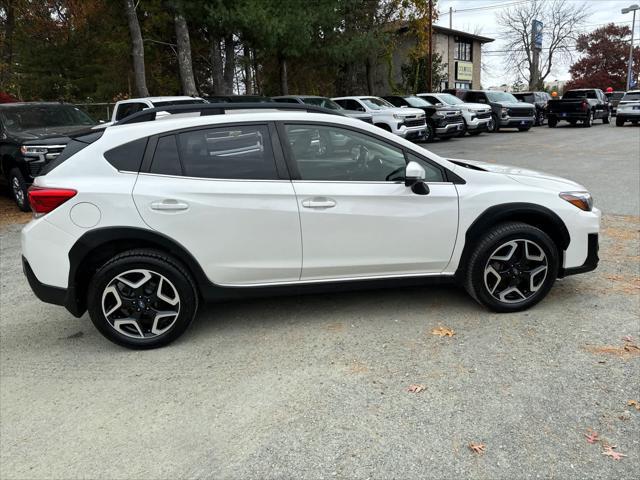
x=137, y=49
x=561, y=19
x=185, y=65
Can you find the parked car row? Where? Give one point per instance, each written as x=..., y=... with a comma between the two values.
x=34, y=134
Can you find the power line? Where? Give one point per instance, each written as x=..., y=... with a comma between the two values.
x=486, y=7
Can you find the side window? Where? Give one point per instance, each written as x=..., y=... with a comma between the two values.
x=432, y=173
x=126, y=109
x=127, y=157
x=341, y=155
x=342, y=103
x=165, y=159
x=231, y=152
x=433, y=100
x=354, y=105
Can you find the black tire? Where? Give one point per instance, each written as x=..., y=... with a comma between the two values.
x=587, y=122
x=553, y=122
x=524, y=129
x=160, y=264
x=19, y=189
x=539, y=121
x=619, y=122
x=474, y=278
x=464, y=128
x=606, y=119
x=429, y=133
x=493, y=125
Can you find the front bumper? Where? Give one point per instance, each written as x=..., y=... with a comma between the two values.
x=478, y=124
x=412, y=132
x=450, y=129
x=516, y=122
x=591, y=261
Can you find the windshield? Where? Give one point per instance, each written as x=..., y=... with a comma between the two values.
x=375, y=103
x=580, y=94
x=33, y=117
x=501, y=97
x=631, y=97
x=322, y=102
x=449, y=99
x=525, y=97
x=417, y=102
x=614, y=95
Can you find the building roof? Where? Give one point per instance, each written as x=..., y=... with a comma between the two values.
x=404, y=25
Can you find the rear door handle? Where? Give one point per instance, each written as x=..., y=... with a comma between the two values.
x=169, y=205
x=319, y=202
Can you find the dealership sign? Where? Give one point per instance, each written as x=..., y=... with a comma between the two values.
x=537, y=34
x=464, y=71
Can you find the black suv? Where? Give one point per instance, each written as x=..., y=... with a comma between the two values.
x=537, y=99
x=31, y=136
x=442, y=121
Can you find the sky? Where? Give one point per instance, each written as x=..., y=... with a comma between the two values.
x=483, y=22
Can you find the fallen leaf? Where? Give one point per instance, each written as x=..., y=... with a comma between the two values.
x=443, y=332
x=632, y=347
x=477, y=448
x=416, y=388
x=627, y=338
x=608, y=451
x=634, y=403
x=592, y=437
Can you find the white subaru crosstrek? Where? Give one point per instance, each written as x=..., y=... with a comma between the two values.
x=141, y=222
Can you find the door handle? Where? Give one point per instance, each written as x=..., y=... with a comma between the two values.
x=169, y=205
x=319, y=202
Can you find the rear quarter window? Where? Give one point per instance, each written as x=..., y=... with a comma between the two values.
x=127, y=157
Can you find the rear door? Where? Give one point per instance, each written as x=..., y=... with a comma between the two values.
x=223, y=192
x=358, y=218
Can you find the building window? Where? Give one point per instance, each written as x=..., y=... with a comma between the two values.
x=464, y=50
x=463, y=85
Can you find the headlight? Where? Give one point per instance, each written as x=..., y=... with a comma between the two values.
x=505, y=111
x=397, y=116
x=582, y=200
x=32, y=151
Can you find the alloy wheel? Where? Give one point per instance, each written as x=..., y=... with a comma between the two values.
x=18, y=192
x=140, y=303
x=515, y=271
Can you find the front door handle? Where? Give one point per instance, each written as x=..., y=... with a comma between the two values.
x=169, y=205
x=319, y=202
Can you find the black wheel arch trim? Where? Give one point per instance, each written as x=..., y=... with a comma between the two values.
x=530, y=213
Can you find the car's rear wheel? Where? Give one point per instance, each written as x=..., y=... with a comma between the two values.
x=19, y=189
x=142, y=299
x=606, y=118
x=619, y=122
x=512, y=268
x=589, y=120
x=553, y=122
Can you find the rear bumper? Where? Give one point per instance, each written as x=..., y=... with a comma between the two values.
x=568, y=115
x=50, y=294
x=626, y=115
x=591, y=262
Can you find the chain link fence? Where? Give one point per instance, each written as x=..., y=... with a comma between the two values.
x=97, y=111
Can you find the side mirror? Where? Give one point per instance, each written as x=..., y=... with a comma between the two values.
x=360, y=109
x=414, y=176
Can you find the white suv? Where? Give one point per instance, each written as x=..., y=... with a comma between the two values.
x=409, y=123
x=140, y=222
x=476, y=115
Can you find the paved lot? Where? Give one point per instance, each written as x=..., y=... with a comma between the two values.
x=315, y=386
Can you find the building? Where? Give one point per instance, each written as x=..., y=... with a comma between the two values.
x=461, y=54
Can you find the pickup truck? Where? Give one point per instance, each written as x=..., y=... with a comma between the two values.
x=409, y=123
x=442, y=122
x=31, y=136
x=580, y=105
x=124, y=108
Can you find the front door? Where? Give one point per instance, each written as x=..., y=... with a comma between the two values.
x=219, y=193
x=358, y=218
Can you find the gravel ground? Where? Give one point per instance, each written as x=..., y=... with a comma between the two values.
x=316, y=386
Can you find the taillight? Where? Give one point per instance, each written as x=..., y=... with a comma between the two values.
x=44, y=200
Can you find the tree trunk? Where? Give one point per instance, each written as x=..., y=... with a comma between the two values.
x=6, y=68
x=216, y=66
x=256, y=73
x=284, y=85
x=185, y=65
x=248, y=78
x=229, y=64
x=137, y=49
x=369, y=73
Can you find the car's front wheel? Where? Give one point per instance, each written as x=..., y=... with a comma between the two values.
x=512, y=268
x=19, y=189
x=142, y=299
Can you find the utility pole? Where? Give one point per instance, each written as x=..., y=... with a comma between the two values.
x=631, y=8
x=430, y=65
x=536, y=46
x=450, y=18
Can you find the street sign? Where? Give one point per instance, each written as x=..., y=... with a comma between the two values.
x=536, y=27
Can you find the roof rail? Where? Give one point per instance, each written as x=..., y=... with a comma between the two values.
x=204, y=109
